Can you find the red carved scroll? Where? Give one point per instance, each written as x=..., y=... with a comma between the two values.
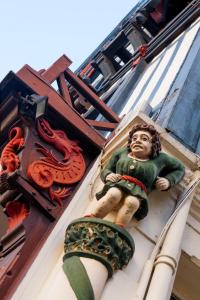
x=16, y=212
x=9, y=159
x=59, y=194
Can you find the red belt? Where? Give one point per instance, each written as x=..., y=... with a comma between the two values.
x=136, y=181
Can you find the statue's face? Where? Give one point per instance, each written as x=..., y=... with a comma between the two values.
x=141, y=145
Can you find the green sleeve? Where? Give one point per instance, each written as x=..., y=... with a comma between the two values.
x=111, y=165
x=174, y=170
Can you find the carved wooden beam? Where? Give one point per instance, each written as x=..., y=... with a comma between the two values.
x=83, y=89
x=58, y=67
x=102, y=125
x=57, y=105
x=64, y=89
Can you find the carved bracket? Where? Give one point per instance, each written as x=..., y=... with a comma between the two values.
x=16, y=211
x=9, y=159
x=101, y=240
x=50, y=170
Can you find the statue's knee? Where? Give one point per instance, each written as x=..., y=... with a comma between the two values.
x=114, y=194
x=132, y=203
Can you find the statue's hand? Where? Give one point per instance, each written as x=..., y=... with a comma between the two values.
x=162, y=184
x=113, y=177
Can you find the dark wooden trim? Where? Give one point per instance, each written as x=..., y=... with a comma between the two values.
x=64, y=89
x=102, y=125
x=161, y=40
x=36, y=230
x=33, y=195
x=83, y=89
x=172, y=30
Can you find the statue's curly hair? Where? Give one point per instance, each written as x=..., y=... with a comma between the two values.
x=156, y=145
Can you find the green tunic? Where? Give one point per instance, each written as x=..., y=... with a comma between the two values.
x=145, y=171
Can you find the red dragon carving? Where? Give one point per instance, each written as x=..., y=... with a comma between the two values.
x=9, y=160
x=49, y=169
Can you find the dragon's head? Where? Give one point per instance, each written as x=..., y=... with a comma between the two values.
x=45, y=131
x=58, y=138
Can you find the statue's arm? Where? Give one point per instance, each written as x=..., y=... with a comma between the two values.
x=174, y=170
x=111, y=166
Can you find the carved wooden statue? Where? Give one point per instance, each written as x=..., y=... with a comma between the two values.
x=133, y=172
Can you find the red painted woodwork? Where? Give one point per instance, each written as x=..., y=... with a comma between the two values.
x=57, y=105
x=98, y=103
x=58, y=139
x=102, y=125
x=142, y=53
x=34, y=196
x=64, y=89
x=29, y=225
x=49, y=170
x=19, y=248
x=59, y=194
x=16, y=212
x=61, y=66
x=9, y=160
x=57, y=68
x=60, y=71
x=157, y=14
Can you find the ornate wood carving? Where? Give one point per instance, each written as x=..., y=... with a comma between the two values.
x=16, y=211
x=100, y=240
x=9, y=158
x=50, y=169
x=29, y=226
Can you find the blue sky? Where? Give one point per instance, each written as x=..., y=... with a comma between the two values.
x=38, y=32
